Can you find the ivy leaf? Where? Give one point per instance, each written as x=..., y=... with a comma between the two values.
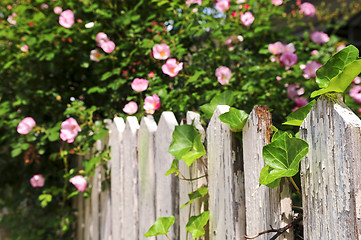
x=335, y=65
x=235, y=118
x=225, y=98
x=263, y=178
x=200, y=192
x=187, y=144
x=16, y=152
x=196, y=224
x=342, y=80
x=174, y=168
x=45, y=199
x=160, y=227
x=296, y=118
x=283, y=157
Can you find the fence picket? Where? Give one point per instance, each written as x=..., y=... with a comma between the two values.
x=146, y=175
x=226, y=203
x=263, y=205
x=167, y=189
x=130, y=179
x=116, y=134
x=331, y=171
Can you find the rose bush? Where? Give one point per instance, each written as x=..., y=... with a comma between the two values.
x=63, y=60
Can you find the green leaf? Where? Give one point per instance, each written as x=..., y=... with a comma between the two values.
x=45, y=199
x=160, y=227
x=173, y=168
x=283, y=157
x=225, y=98
x=335, y=65
x=265, y=172
x=183, y=140
x=342, y=80
x=235, y=118
x=199, y=193
x=196, y=152
x=296, y=118
x=196, y=224
x=16, y=152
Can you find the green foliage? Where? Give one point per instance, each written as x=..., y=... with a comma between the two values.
x=196, y=224
x=296, y=118
x=199, y=193
x=225, y=98
x=160, y=227
x=235, y=118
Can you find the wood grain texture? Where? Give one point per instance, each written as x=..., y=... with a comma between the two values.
x=146, y=175
x=331, y=172
x=167, y=187
x=225, y=174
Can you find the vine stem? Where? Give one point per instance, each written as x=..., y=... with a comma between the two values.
x=168, y=237
x=295, y=185
x=192, y=179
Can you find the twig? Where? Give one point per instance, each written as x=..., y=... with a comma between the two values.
x=192, y=179
x=295, y=185
x=168, y=237
x=261, y=233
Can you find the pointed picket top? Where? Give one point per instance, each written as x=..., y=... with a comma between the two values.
x=129, y=159
x=146, y=174
x=330, y=172
x=167, y=186
x=193, y=117
x=226, y=187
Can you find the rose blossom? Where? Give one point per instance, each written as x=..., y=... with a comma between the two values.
x=139, y=84
x=101, y=38
x=223, y=75
x=130, y=108
x=79, y=182
x=95, y=55
x=37, y=181
x=58, y=10
x=44, y=6
x=66, y=18
x=314, y=52
x=339, y=48
x=69, y=130
x=357, y=80
x=288, y=59
x=277, y=2
x=171, y=67
x=161, y=51
x=276, y=48
x=189, y=2
x=289, y=48
x=355, y=94
x=310, y=70
x=11, y=19
x=222, y=5
x=247, y=18
x=108, y=46
x=151, y=103
x=26, y=125
x=319, y=37
x=307, y=9
x=294, y=90
x=24, y=48
x=300, y=102
x=151, y=74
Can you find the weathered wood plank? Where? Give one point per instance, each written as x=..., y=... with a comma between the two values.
x=167, y=187
x=331, y=171
x=146, y=175
x=117, y=188
x=263, y=205
x=225, y=174
x=130, y=179
x=95, y=198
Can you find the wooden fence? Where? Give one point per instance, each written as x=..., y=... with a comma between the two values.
x=140, y=192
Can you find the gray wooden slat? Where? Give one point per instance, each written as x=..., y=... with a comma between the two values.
x=167, y=187
x=225, y=176
x=330, y=173
x=146, y=175
x=129, y=160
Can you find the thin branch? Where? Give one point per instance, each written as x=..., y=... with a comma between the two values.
x=192, y=179
x=168, y=237
x=261, y=233
x=295, y=185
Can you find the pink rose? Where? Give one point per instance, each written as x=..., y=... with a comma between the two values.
x=37, y=181
x=276, y=48
x=222, y=5
x=307, y=9
x=357, y=80
x=108, y=46
x=151, y=103
x=172, y=67
x=288, y=59
x=189, y=2
x=58, y=10
x=69, y=130
x=26, y=125
x=44, y=6
x=355, y=94
x=11, y=19
x=161, y=51
x=319, y=37
x=223, y=75
x=95, y=55
x=24, y=48
x=66, y=18
x=294, y=91
x=101, y=38
x=130, y=108
x=79, y=182
x=151, y=74
x=277, y=2
x=314, y=52
x=247, y=18
x=139, y=85
x=289, y=48
x=339, y=48
x=300, y=102
x=310, y=70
